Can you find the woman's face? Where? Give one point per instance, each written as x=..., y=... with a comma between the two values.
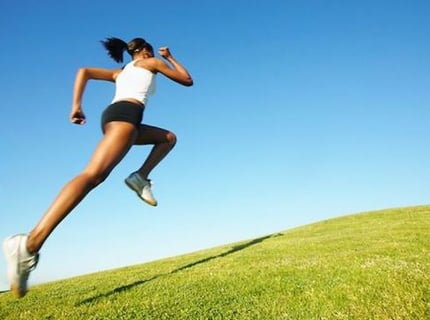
x=147, y=53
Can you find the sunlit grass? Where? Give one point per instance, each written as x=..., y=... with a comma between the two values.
x=368, y=266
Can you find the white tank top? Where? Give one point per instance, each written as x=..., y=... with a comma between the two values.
x=134, y=82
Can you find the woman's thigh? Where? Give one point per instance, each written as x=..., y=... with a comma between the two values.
x=117, y=140
x=153, y=135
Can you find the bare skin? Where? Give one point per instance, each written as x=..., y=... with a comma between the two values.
x=117, y=140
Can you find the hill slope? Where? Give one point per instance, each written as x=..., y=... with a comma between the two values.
x=372, y=265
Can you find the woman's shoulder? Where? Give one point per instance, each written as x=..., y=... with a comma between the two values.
x=150, y=64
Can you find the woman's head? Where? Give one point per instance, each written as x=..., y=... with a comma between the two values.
x=116, y=47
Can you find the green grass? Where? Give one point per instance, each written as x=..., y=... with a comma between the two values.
x=373, y=265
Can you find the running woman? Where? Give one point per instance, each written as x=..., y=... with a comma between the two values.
x=122, y=128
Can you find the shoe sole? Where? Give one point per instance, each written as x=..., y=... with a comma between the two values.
x=137, y=193
x=16, y=292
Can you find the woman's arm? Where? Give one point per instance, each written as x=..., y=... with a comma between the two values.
x=83, y=75
x=177, y=73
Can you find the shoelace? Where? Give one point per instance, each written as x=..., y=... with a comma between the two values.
x=143, y=182
x=147, y=188
x=25, y=266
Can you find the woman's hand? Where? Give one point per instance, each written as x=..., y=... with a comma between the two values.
x=77, y=116
x=164, y=52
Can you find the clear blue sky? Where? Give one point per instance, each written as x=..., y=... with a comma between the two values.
x=302, y=110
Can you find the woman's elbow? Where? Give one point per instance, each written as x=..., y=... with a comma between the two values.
x=188, y=82
x=83, y=72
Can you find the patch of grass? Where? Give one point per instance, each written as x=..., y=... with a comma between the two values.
x=372, y=265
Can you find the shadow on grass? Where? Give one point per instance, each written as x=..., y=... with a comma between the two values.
x=188, y=266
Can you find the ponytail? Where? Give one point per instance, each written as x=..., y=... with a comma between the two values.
x=115, y=48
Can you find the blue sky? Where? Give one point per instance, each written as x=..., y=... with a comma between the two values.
x=302, y=110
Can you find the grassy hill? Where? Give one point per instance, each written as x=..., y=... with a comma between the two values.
x=373, y=265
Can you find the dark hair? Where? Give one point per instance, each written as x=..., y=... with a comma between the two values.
x=116, y=47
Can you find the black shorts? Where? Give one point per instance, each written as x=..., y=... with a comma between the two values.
x=123, y=111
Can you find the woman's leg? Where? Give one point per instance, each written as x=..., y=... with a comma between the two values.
x=118, y=138
x=163, y=141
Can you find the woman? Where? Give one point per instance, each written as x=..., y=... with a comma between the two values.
x=122, y=128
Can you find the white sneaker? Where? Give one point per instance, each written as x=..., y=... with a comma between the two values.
x=19, y=263
x=142, y=187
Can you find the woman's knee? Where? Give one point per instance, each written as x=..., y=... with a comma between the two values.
x=171, y=138
x=94, y=178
